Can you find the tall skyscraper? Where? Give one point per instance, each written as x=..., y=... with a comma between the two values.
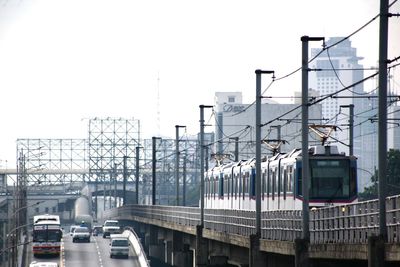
x=336, y=70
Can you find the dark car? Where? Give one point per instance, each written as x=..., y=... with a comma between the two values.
x=97, y=230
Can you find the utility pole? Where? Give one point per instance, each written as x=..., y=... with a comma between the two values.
x=302, y=258
x=351, y=127
x=184, y=182
x=236, y=140
x=202, y=107
x=382, y=115
x=258, y=148
x=137, y=175
x=124, y=181
x=278, y=136
x=154, y=166
x=177, y=161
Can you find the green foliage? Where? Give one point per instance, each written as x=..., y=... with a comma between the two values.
x=392, y=180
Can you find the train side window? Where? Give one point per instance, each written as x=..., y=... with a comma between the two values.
x=245, y=184
x=273, y=184
x=279, y=181
x=215, y=186
x=264, y=183
x=290, y=180
x=240, y=184
x=299, y=181
x=285, y=180
x=268, y=183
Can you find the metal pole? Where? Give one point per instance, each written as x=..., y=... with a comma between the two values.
x=184, y=182
x=304, y=137
x=154, y=180
x=351, y=127
x=137, y=175
x=351, y=133
x=258, y=149
x=202, y=163
x=382, y=111
x=115, y=185
x=236, y=148
x=177, y=163
x=124, y=181
x=305, y=176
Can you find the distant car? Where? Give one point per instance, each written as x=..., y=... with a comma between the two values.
x=111, y=227
x=71, y=229
x=43, y=264
x=97, y=230
x=81, y=234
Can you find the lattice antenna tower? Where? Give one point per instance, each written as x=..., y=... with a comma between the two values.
x=49, y=162
x=110, y=140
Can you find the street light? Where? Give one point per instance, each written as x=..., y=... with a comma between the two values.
x=15, y=237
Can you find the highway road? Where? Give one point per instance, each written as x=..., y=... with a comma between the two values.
x=93, y=254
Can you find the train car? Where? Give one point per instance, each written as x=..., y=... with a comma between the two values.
x=333, y=181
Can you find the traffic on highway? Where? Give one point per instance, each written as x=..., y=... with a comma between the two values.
x=97, y=251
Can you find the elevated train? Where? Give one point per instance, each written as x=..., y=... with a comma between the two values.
x=333, y=181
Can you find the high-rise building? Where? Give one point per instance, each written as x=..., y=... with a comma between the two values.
x=236, y=119
x=336, y=70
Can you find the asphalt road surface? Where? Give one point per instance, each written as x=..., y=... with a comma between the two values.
x=93, y=254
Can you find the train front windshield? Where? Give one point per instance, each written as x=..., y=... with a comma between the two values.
x=330, y=179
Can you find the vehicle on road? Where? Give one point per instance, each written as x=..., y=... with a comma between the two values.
x=111, y=227
x=46, y=235
x=119, y=246
x=83, y=210
x=81, y=234
x=43, y=264
x=97, y=230
x=72, y=229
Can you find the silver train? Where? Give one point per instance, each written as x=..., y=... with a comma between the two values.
x=333, y=181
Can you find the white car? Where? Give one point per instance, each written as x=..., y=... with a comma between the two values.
x=81, y=234
x=111, y=227
x=119, y=246
x=43, y=264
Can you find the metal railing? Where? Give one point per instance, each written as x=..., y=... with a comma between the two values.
x=352, y=223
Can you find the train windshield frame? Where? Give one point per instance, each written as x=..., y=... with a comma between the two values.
x=330, y=179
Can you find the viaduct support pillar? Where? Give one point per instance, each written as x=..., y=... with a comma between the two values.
x=301, y=253
x=255, y=257
x=376, y=251
x=201, y=248
x=182, y=256
x=156, y=248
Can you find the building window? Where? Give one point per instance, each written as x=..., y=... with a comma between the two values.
x=47, y=209
x=54, y=210
x=231, y=99
x=36, y=210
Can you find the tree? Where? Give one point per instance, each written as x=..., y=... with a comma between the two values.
x=392, y=178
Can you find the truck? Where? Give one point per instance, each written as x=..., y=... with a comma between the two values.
x=82, y=215
x=119, y=246
x=111, y=227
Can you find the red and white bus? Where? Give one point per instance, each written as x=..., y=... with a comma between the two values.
x=47, y=234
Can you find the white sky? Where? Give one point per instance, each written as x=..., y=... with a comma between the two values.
x=64, y=61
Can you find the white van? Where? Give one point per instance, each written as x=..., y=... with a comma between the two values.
x=119, y=246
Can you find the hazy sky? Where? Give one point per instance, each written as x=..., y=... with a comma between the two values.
x=62, y=62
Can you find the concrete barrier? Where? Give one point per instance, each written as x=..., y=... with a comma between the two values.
x=137, y=246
